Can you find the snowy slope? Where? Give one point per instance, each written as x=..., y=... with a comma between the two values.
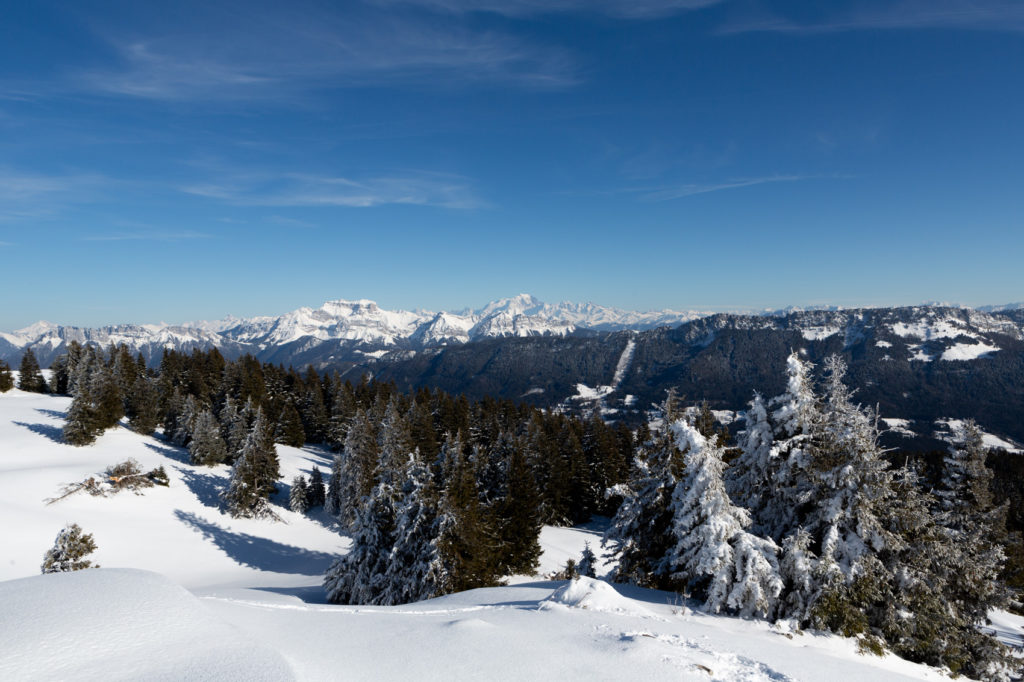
x=254, y=598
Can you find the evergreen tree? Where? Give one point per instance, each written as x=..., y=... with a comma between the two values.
x=518, y=520
x=207, y=447
x=81, y=427
x=107, y=399
x=974, y=525
x=714, y=556
x=317, y=495
x=358, y=465
x=6, y=379
x=289, y=429
x=185, y=421
x=414, y=570
x=69, y=551
x=640, y=533
x=298, y=498
x=750, y=479
x=359, y=576
x=143, y=406
x=254, y=474
x=587, y=562
x=332, y=501
x=59, y=375
x=30, y=377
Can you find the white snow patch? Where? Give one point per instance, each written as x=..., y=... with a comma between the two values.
x=950, y=430
x=883, y=344
x=919, y=354
x=819, y=333
x=900, y=426
x=927, y=330
x=624, y=361
x=593, y=594
x=584, y=392
x=121, y=623
x=968, y=351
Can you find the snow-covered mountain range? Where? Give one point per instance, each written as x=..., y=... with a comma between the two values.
x=361, y=324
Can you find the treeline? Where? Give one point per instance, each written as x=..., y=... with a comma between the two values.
x=810, y=523
x=415, y=475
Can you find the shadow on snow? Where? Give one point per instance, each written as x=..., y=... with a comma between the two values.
x=54, y=433
x=259, y=553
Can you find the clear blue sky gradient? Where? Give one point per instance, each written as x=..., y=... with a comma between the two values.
x=186, y=160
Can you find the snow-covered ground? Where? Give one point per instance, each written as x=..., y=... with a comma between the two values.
x=221, y=598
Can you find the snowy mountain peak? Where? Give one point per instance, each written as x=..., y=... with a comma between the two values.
x=345, y=308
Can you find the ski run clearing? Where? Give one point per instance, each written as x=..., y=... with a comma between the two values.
x=186, y=592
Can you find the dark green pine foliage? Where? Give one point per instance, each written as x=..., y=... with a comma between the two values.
x=359, y=576
x=69, y=551
x=254, y=475
x=143, y=406
x=317, y=494
x=358, y=465
x=59, y=375
x=518, y=519
x=81, y=428
x=343, y=410
x=640, y=533
x=207, y=446
x=289, y=429
x=6, y=379
x=107, y=398
x=414, y=569
x=461, y=536
x=30, y=377
x=315, y=417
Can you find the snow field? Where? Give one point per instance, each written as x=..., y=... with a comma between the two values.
x=253, y=607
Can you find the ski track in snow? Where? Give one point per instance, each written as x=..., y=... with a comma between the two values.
x=625, y=360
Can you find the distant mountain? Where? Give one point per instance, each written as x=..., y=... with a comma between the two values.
x=343, y=331
x=921, y=365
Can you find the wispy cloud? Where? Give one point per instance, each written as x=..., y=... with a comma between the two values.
x=977, y=15
x=146, y=236
x=627, y=9
x=419, y=189
x=28, y=195
x=268, y=52
x=688, y=190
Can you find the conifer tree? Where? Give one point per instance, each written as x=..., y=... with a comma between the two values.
x=750, y=479
x=298, y=498
x=359, y=576
x=30, y=377
x=143, y=406
x=58, y=384
x=207, y=447
x=317, y=493
x=358, y=465
x=414, y=569
x=254, y=474
x=6, y=379
x=81, y=427
x=289, y=429
x=974, y=525
x=715, y=557
x=518, y=520
x=332, y=501
x=107, y=399
x=69, y=551
x=463, y=560
x=586, y=565
x=640, y=533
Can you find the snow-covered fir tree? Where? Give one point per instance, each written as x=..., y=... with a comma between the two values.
x=751, y=478
x=640, y=532
x=359, y=576
x=80, y=426
x=358, y=466
x=207, y=446
x=254, y=474
x=69, y=551
x=414, y=572
x=714, y=556
x=298, y=497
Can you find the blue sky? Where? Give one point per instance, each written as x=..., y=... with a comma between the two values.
x=186, y=160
